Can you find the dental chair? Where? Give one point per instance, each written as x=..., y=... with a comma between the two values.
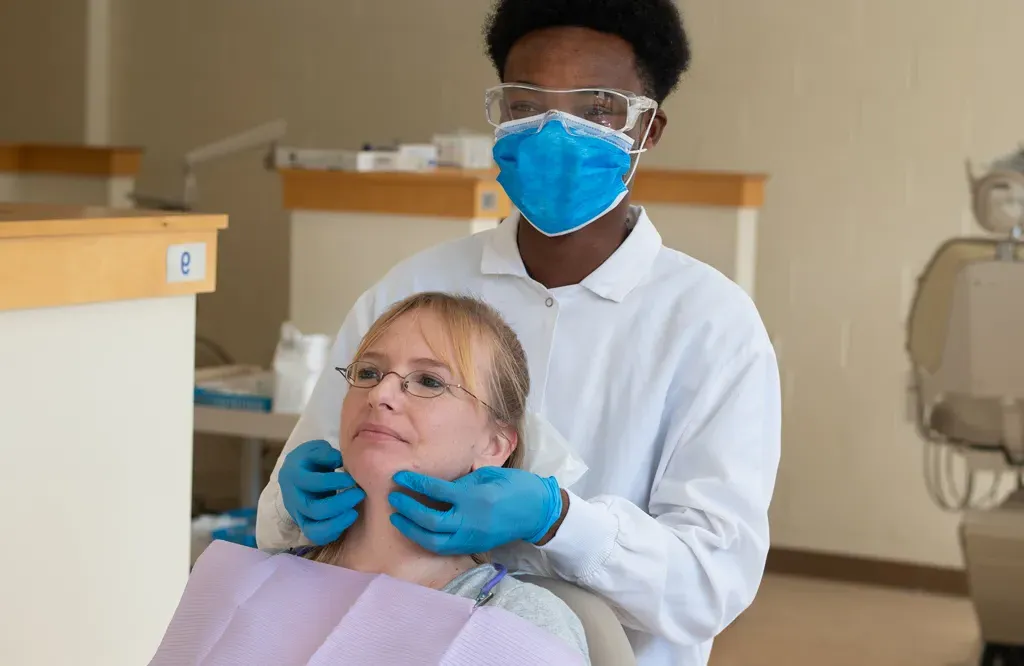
x=966, y=346
x=606, y=639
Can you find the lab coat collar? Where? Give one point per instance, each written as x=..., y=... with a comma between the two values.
x=613, y=280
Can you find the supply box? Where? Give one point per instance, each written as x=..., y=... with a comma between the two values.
x=243, y=387
x=465, y=150
x=460, y=150
x=336, y=160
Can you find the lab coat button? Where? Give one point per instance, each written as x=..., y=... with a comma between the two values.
x=549, y=302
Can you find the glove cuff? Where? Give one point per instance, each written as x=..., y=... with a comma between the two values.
x=553, y=506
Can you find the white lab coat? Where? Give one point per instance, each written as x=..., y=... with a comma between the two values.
x=659, y=371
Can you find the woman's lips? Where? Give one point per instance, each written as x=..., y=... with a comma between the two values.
x=378, y=433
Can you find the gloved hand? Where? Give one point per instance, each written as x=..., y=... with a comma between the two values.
x=490, y=507
x=319, y=499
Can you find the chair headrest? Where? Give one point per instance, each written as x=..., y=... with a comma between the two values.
x=997, y=198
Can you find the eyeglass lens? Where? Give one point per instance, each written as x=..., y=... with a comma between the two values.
x=419, y=383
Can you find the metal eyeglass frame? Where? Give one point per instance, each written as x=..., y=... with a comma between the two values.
x=447, y=386
x=637, y=104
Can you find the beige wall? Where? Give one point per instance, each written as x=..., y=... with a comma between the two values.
x=42, y=75
x=341, y=73
x=192, y=71
x=861, y=111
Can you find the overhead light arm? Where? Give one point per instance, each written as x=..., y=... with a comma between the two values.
x=263, y=136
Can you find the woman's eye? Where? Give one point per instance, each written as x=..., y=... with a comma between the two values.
x=367, y=374
x=430, y=381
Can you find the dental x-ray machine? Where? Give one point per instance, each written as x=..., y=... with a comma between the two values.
x=965, y=339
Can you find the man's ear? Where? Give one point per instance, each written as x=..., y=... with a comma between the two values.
x=657, y=129
x=500, y=447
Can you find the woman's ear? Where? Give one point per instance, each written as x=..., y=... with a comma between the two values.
x=500, y=447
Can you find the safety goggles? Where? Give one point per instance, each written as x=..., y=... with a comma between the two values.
x=614, y=109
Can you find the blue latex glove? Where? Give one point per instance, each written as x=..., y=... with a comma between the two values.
x=321, y=500
x=490, y=507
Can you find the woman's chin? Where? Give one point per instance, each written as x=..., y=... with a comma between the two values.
x=374, y=468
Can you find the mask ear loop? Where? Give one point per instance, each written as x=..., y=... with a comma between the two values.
x=640, y=151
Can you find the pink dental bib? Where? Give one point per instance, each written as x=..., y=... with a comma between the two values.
x=242, y=607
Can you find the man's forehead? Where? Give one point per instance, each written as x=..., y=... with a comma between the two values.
x=568, y=57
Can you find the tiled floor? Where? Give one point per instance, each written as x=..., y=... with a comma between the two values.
x=801, y=622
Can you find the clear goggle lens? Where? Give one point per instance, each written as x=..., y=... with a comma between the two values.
x=614, y=110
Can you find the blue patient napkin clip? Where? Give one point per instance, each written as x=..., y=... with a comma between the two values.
x=487, y=593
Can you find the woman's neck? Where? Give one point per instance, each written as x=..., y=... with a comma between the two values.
x=373, y=545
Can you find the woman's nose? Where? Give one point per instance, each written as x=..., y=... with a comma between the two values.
x=387, y=393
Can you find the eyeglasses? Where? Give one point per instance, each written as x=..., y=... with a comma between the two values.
x=419, y=383
x=614, y=109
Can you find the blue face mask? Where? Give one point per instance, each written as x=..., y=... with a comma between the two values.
x=564, y=176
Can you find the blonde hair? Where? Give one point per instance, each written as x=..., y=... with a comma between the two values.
x=466, y=320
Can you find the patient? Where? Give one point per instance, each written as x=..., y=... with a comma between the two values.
x=438, y=386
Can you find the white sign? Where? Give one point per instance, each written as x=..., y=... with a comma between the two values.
x=186, y=263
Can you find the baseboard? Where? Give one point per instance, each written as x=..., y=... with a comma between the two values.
x=867, y=571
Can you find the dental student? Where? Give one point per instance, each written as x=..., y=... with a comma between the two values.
x=654, y=366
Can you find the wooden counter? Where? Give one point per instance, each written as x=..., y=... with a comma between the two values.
x=448, y=193
x=721, y=189
x=70, y=159
x=97, y=356
x=348, y=229
x=475, y=194
x=53, y=255
x=68, y=173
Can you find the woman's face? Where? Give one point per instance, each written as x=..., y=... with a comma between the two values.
x=385, y=430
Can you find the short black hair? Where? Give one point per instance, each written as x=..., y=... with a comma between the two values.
x=653, y=28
